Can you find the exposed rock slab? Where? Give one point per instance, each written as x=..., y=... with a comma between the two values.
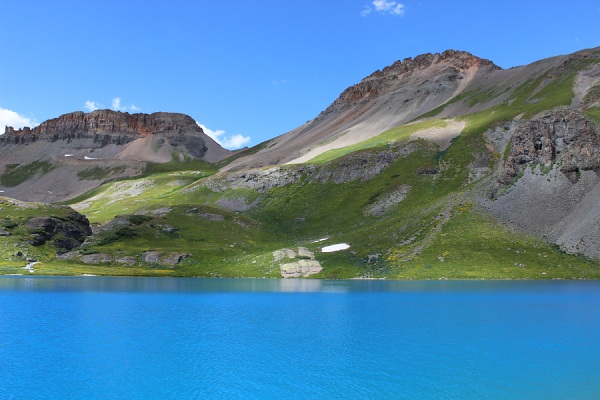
x=165, y=259
x=279, y=255
x=300, y=269
x=442, y=136
x=304, y=263
x=97, y=258
x=387, y=201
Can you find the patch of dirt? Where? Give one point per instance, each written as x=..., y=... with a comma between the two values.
x=583, y=83
x=441, y=136
x=120, y=190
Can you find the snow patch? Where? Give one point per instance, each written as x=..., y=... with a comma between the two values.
x=335, y=247
x=90, y=158
x=29, y=267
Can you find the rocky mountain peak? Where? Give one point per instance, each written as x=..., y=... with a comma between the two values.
x=461, y=60
x=451, y=65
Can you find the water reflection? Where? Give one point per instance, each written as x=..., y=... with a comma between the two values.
x=207, y=285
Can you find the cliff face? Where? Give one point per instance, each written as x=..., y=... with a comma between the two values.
x=113, y=127
x=111, y=122
x=564, y=137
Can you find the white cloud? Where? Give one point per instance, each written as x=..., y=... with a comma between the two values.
x=366, y=11
x=213, y=134
x=232, y=142
x=387, y=6
x=235, y=142
x=11, y=118
x=91, y=105
x=384, y=7
x=116, y=103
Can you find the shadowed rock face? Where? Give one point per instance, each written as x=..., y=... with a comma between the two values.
x=67, y=233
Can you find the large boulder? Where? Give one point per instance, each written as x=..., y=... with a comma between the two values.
x=65, y=233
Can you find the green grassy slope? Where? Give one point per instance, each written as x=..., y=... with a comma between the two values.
x=434, y=231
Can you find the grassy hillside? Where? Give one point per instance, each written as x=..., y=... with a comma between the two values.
x=418, y=218
x=435, y=231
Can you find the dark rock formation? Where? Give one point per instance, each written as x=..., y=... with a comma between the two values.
x=66, y=234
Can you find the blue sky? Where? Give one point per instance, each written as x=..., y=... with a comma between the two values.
x=252, y=70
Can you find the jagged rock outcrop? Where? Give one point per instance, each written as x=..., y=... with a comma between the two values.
x=66, y=234
x=564, y=136
x=549, y=183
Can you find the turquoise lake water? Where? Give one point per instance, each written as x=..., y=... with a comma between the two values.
x=167, y=338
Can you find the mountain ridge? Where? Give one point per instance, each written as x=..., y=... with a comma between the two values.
x=116, y=127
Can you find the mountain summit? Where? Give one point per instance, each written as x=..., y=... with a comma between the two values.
x=403, y=92
x=385, y=99
x=433, y=73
